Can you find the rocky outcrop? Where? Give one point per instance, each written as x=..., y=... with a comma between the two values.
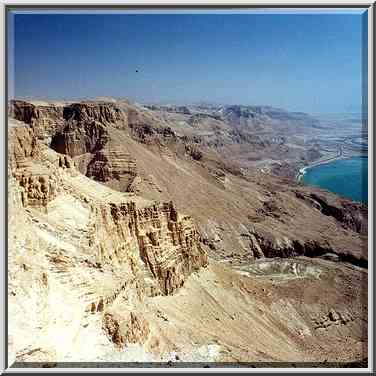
x=264, y=242
x=193, y=151
x=352, y=215
x=167, y=243
x=184, y=254
x=333, y=318
x=145, y=133
x=87, y=112
x=113, y=164
x=22, y=144
x=89, y=137
x=85, y=138
x=22, y=111
x=39, y=185
x=124, y=327
x=44, y=119
x=81, y=132
x=80, y=138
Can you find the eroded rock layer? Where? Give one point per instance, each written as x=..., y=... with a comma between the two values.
x=153, y=248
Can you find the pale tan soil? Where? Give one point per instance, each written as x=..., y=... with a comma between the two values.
x=253, y=320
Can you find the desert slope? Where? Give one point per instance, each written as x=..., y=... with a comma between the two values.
x=99, y=246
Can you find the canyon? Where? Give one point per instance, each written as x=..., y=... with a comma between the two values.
x=138, y=234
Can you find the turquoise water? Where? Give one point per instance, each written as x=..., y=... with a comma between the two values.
x=346, y=177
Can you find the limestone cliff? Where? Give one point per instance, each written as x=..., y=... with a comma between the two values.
x=44, y=119
x=22, y=144
x=85, y=132
x=167, y=242
x=104, y=244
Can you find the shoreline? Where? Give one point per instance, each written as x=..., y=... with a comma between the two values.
x=303, y=170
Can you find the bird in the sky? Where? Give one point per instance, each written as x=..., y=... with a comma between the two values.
x=136, y=71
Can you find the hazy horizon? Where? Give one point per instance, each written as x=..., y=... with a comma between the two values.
x=167, y=103
x=299, y=62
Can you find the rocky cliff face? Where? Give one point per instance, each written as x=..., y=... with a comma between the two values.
x=84, y=131
x=105, y=113
x=76, y=139
x=129, y=150
x=168, y=243
x=43, y=119
x=39, y=185
x=353, y=216
x=107, y=246
x=22, y=144
x=105, y=269
x=113, y=166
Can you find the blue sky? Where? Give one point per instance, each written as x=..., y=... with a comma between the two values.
x=304, y=62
